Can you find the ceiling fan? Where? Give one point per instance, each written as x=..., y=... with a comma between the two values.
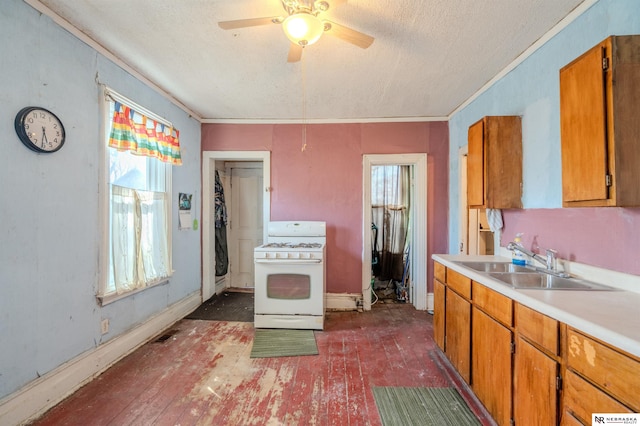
x=304, y=26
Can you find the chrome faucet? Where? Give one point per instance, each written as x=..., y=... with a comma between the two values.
x=549, y=261
x=512, y=246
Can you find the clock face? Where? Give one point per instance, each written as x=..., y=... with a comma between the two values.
x=39, y=129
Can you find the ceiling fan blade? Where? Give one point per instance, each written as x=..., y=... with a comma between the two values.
x=295, y=53
x=253, y=22
x=347, y=34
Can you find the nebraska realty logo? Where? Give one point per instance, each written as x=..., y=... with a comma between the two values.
x=615, y=419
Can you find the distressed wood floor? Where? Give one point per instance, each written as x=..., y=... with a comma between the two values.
x=202, y=375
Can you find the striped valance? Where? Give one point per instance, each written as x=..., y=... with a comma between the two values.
x=144, y=136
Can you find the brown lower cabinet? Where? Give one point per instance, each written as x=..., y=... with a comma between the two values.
x=599, y=378
x=535, y=394
x=555, y=374
x=458, y=333
x=536, y=378
x=491, y=365
x=581, y=399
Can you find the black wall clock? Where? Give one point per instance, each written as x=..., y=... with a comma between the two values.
x=39, y=129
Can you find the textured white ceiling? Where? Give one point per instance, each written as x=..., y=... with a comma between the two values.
x=428, y=57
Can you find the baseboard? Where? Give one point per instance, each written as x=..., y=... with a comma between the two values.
x=430, y=303
x=221, y=284
x=47, y=391
x=343, y=301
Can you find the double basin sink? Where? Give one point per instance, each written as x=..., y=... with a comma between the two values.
x=524, y=277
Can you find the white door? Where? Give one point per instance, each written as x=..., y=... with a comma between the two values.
x=245, y=230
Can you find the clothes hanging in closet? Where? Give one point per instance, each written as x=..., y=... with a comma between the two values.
x=220, y=219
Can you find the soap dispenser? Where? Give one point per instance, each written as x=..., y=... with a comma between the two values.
x=517, y=256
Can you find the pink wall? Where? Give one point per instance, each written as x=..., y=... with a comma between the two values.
x=324, y=182
x=605, y=237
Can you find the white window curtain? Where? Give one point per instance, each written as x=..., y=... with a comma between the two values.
x=139, y=244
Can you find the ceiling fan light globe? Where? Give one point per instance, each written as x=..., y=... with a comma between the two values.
x=303, y=28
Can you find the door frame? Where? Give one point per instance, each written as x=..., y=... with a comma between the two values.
x=463, y=237
x=469, y=218
x=418, y=253
x=209, y=159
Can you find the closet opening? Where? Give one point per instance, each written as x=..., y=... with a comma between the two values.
x=390, y=225
x=405, y=247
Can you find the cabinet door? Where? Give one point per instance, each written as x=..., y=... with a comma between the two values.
x=475, y=165
x=583, y=122
x=438, y=313
x=535, y=397
x=494, y=163
x=581, y=399
x=492, y=365
x=458, y=333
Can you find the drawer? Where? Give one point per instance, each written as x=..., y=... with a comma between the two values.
x=538, y=328
x=581, y=399
x=493, y=303
x=459, y=283
x=616, y=373
x=439, y=272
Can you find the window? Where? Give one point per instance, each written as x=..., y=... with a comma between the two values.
x=139, y=194
x=389, y=186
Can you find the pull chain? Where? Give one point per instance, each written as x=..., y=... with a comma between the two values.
x=304, y=106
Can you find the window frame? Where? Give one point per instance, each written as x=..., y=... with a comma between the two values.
x=107, y=96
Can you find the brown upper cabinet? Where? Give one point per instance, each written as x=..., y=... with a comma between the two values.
x=494, y=163
x=600, y=125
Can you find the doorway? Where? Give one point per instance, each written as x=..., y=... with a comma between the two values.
x=246, y=224
x=390, y=224
x=417, y=234
x=253, y=189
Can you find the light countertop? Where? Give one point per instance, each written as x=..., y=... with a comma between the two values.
x=611, y=316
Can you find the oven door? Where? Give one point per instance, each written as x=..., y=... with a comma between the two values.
x=289, y=287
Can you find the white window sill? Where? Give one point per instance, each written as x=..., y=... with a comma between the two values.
x=114, y=297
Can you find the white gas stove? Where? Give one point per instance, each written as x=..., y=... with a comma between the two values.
x=290, y=276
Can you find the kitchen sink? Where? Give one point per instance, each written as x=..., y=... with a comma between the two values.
x=544, y=281
x=495, y=267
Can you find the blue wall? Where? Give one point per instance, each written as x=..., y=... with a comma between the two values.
x=532, y=91
x=50, y=235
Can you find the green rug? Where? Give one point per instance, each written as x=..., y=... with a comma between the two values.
x=422, y=406
x=269, y=343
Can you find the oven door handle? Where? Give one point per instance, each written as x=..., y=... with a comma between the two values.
x=288, y=262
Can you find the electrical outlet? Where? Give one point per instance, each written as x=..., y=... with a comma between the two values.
x=104, y=325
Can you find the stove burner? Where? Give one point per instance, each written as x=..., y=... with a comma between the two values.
x=308, y=245
x=292, y=245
